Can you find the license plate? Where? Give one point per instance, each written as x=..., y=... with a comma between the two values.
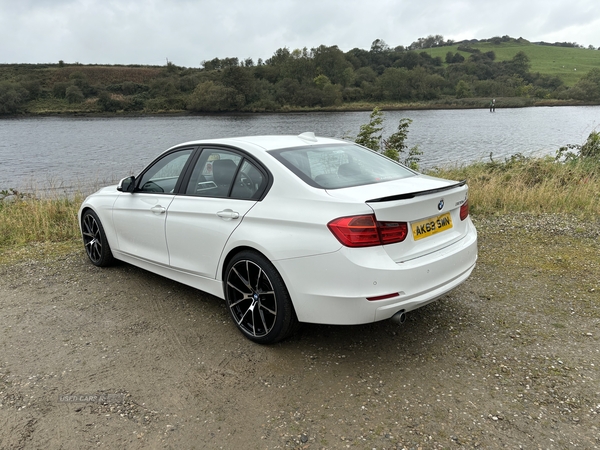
x=431, y=226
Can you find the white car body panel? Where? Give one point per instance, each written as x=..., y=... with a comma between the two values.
x=139, y=222
x=333, y=288
x=328, y=283
x=196, y=234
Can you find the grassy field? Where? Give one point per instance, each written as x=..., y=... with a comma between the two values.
x=535, y=186
x=532, y=185
x=568, y=63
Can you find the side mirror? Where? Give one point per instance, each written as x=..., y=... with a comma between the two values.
x=126, y=184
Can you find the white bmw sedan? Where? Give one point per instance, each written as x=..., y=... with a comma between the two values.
x=288, y=229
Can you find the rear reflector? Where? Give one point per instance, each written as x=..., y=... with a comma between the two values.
x=366, y=231
x=383, y=297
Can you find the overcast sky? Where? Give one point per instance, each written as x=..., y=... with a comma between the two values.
x=186, y=32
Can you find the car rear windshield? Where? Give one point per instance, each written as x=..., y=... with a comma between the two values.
x=336, y=166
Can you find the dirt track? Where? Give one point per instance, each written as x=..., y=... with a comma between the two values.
x=511, y=358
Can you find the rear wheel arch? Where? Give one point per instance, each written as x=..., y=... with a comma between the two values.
x=257, y=297
x=232, y=253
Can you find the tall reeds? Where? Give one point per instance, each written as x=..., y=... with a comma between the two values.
x=25, y=218
x=535, y=185
x=519, y=184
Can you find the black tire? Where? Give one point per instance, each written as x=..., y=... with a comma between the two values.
x=94, y=240
x=257, y=299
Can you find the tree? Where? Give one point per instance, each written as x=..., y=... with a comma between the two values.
x=107, y=103
x=588, y=87
x=220, y=64
x=287, y=90
x=394, y=146
x=394, y=84
x=59, y=89
x=241, y=80
x=379, y=46
x=163, y=87
x=213, y=97
x=588, y=152
x=331, y=95
x=370, y=133
x=520, y=64
x=74, y=94
x=428, y=42
x=81, y=81
x=453, y=59
x=330, y=61
x=33, y=87
x=463, y=90
x=364, y=74
x=12, y=98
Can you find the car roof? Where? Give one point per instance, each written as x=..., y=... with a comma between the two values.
x=267, y=143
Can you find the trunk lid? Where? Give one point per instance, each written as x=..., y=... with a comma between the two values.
x=430, y=206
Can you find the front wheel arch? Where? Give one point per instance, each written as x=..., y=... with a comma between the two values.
x=94, y=239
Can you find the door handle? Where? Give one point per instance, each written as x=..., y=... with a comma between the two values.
x=158, y=209
x=228, y=214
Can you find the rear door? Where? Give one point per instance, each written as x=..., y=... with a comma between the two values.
x=222, y=188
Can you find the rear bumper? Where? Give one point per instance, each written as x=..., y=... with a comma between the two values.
x=333, y=288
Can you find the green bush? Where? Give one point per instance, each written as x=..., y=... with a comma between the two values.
x=165, y=104
x=12, y=98
x=588, y=152
x=213, y=97
x=394, y=147
x=107, y=103
x=74, y=95
x=59, y=89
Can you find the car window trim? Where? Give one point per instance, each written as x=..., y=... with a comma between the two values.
x=244, y=155
x=308, y=180
x=194, y=150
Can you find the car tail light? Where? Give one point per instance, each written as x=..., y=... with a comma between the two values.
x=366, y=231
x=464, y=210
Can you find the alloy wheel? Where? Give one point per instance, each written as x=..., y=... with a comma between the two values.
x=251, y=298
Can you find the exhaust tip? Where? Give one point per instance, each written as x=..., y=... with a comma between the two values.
x=399, y=317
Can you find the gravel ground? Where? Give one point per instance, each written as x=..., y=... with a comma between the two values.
x=121, y=358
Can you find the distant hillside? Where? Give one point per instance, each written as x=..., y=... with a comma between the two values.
x=568, y=63
x=430, y=73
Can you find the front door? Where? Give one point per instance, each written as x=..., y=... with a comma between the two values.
x=139, y=217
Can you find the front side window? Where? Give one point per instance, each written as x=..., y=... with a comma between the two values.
x=163, y=175
x=340, y=165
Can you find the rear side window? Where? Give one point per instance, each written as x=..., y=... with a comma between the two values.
x=222, y=173
x=340, y=166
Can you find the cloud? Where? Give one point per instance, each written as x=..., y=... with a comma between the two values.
x=188, y=32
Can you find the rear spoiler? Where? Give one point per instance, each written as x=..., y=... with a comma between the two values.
x=392, y=198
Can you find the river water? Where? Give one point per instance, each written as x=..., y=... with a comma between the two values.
x=67, y=154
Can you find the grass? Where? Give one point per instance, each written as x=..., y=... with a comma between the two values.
x=26, y=219
x=519, y=184
x=568, y=63
x=534, y=185
x=60, y=106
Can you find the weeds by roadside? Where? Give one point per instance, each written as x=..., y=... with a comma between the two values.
x=25, y=218
x=567, y=184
